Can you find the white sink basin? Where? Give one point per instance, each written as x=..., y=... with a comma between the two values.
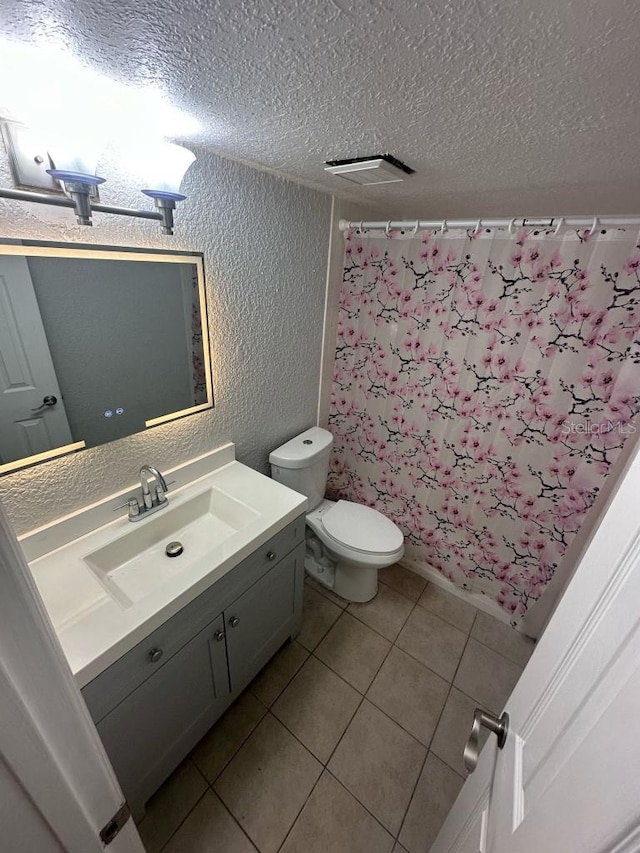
x=135, y=565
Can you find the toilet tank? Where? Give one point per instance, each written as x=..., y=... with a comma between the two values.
x=303, y=464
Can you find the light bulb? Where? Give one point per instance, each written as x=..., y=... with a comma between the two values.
x=164, y=168
x=74, y=157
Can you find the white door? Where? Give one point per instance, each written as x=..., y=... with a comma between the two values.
x=27, y=374
x=57, y=788
x=568, y=778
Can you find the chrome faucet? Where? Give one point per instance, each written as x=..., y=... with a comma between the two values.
x=150, y=503
x=161, y=488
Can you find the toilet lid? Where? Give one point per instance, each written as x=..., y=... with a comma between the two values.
x=363, y=528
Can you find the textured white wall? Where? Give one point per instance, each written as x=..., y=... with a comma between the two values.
x=265, y=244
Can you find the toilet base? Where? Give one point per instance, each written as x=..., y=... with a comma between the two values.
x=355, y=583
x=325, y=575
x=351, y=581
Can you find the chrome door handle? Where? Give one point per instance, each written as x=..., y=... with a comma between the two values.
x=218, y=636
x=155, y=655
x=499, y=726
x=271, y=555
x=47, y=402
x=235, y=620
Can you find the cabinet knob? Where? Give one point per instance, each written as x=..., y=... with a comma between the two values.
x=234, y=621
x=155, y=655
x=219, y=636
x=271, y=555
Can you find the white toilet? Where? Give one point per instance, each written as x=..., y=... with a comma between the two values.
x=346, y=542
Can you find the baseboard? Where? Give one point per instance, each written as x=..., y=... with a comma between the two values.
x=482, y=602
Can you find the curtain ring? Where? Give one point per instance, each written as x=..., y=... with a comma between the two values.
x=360, y=226
x=510, y=227
x=594, y=226
x=387, y=227
x=415, y=228
x=443, y=227
x=477, y=228
x=558, y=226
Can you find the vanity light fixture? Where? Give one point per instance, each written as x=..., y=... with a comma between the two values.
x=54, y=150
x=66, y=169
x=167, y=165
x=74, y=167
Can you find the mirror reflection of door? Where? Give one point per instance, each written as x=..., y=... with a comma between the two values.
x=27, y=374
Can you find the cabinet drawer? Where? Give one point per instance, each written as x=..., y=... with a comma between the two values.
x=267, y=555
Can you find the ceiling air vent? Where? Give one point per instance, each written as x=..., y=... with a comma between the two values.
x=378, y=169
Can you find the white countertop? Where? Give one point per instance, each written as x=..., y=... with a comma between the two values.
x=94, y=628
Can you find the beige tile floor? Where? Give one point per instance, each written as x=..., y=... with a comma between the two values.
x=350, y=740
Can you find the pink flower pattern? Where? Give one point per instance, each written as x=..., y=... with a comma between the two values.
x=484, y=385
x=197, y=354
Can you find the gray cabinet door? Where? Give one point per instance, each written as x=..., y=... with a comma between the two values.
x=260, y=621
x=150, y=731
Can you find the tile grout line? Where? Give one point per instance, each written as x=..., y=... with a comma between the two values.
x=399, y=725
x=368, y=811
x=364, y=696
x=389, y=586
x=326, y=767
x=404, y=817
x=323, y=764
x=199, y=772
x=234, y=819
x=469, y=637
x=293, y=734
x=442, y=712
x=394, y=645
x=437, y=615
x=296, y=818
x=236, y=750
x=304, y=746
x=248, y=736
x=391, y=644
x=268, y=707
x=388, y=639
x=325, y=633
x=427, y=748
x=350, y=793
x=327, y=593
x=359, y=705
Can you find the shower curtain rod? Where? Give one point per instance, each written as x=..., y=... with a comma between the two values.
x=516, y=222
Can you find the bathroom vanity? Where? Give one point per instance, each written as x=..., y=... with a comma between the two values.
x=161, y=646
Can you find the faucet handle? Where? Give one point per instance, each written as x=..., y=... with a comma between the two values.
x=161, y=494
x=133, y=506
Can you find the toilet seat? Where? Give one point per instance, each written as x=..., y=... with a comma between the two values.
x=360, y=528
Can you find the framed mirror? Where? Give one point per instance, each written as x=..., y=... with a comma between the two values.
x=96, y=343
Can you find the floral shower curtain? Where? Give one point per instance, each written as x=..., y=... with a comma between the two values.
x=198, y=374
x=484, y=385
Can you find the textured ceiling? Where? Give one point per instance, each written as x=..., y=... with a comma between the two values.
x=513, y=107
